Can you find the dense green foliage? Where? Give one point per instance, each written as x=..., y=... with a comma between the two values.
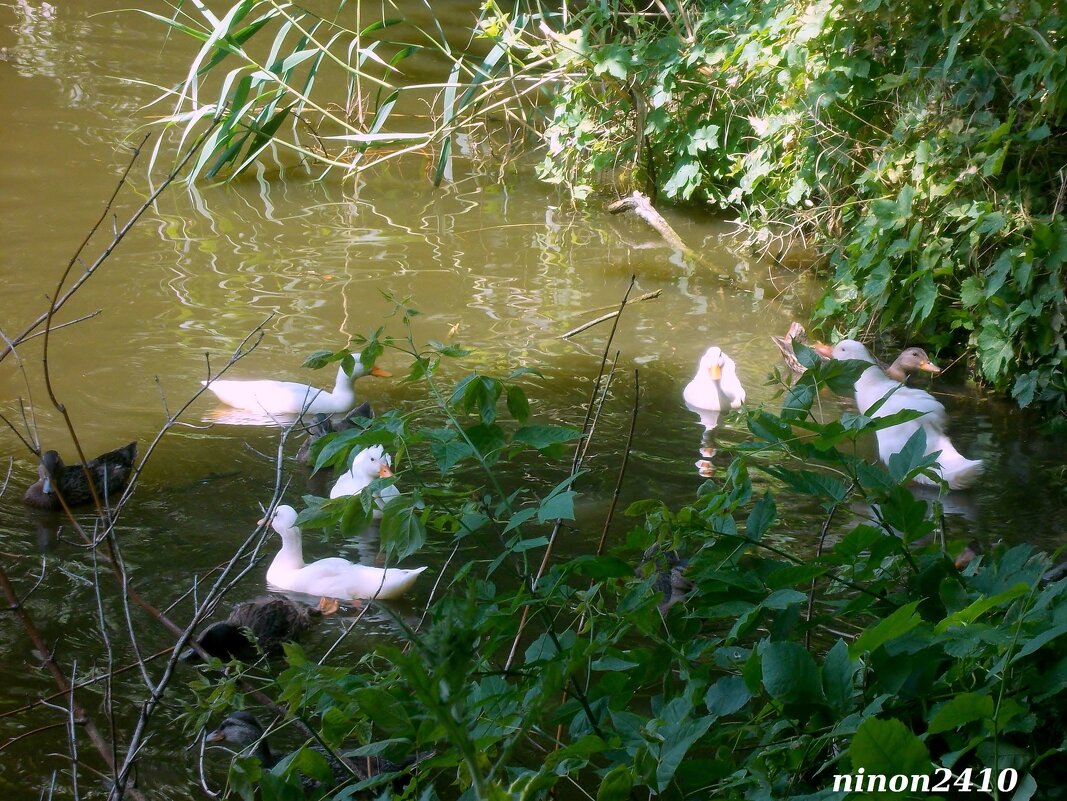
x=771, y=675
x=920, y=148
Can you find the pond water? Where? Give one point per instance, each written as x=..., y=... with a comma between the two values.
x=500, y=263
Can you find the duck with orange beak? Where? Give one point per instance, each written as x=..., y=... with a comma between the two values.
x=715, y=386
x=289, y=397
x=369, y=464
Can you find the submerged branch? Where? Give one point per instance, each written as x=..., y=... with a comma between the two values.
x=640, y=205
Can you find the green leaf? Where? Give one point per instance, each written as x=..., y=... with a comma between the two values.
x=559, y=506
x=964, y=708
x=727, y=695
x=518, y=405
x=761, y=517
x=838, y=677
x=447, y=454
x=888, y=747
x=612, y=59
x=385, y=710
x=679, y=732
x=911, y=457
x=896, y=625
x=1025, y=388
x=790, y=674
x=601, y=567
x=403, y=531
x=616, y=784
x=519, y=518
x=449, y=350
x=542, y=437
x=321, y=358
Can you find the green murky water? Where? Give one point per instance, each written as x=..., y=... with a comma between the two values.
x=503, y=262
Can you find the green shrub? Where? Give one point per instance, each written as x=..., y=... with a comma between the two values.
x=774, y=673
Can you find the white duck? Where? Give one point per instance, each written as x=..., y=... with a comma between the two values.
x=289, y=397
x=715, y=385
x=874, y=384
x=334, y=577
x=369, y=464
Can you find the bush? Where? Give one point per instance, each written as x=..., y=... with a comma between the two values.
x=774, y=672
x=919, y=148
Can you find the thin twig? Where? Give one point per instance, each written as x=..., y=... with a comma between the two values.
x=608, y=316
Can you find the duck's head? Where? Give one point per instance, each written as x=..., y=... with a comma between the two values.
x=358, y=370
x=713, y=362
x=50, y=466
x=848, y=349
x=283, y=520
x=373, y=462
x=238, y=728
x=912, y=359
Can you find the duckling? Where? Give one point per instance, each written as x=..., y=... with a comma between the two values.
x=108, y=472
x=324, y=424
x=253, y=627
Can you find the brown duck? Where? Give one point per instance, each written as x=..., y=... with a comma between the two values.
x=253, y=627
x=109, y=474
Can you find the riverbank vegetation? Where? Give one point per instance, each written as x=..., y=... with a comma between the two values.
x=916, y=152
x=691, y=653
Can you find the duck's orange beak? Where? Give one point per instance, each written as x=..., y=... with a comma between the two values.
x=384, y=471
x=378, y=371
x=824, y=350
x=929, y=367
x=715, y=372
x=263, y=522
x=215, y=737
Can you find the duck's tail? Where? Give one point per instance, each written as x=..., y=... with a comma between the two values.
x=398, y=581
x=957, y=470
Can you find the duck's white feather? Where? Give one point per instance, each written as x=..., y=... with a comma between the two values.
x=334, y=577
x=873, y=385
x=715, y=386
x=369, y=464
x=289, y=397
